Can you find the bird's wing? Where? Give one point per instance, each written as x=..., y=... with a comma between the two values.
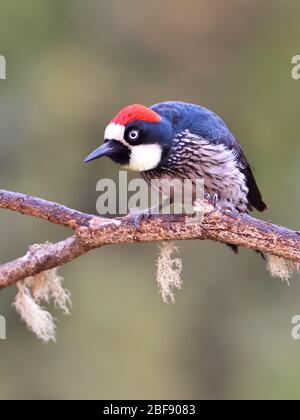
x=254, y=195
x=206, y=124
x=214, y=130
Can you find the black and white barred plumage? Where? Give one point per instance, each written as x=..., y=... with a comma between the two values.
x=203, y=147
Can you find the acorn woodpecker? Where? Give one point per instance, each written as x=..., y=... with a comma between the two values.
x=177, y=140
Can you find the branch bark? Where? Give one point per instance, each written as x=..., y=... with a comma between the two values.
x=218, y=224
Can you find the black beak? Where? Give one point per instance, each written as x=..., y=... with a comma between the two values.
x=105, y=150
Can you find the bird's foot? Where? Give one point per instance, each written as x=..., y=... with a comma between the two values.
x=213, y=198
x=137, y=216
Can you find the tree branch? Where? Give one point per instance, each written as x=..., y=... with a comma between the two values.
x=218, y=224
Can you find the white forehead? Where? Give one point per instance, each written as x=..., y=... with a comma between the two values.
x=114, y=132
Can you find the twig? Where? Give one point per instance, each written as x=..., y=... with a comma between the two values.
x=218, y=224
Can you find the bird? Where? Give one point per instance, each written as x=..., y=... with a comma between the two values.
x=179, y=140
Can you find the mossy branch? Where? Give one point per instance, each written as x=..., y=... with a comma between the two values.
x=91, y=232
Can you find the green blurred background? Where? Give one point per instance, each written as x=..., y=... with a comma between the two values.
x=71, y=65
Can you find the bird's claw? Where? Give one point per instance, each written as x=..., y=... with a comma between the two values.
x=213, y=198
x=138, y=216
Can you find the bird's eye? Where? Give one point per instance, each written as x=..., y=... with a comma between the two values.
x=133, y=134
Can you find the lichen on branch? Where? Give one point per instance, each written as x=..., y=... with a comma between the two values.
x=220, y=224
x=91, y=232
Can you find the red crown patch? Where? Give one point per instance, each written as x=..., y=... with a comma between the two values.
x=135, y=112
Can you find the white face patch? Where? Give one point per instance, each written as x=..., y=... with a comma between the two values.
x=144, y=157
x=115, y=132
